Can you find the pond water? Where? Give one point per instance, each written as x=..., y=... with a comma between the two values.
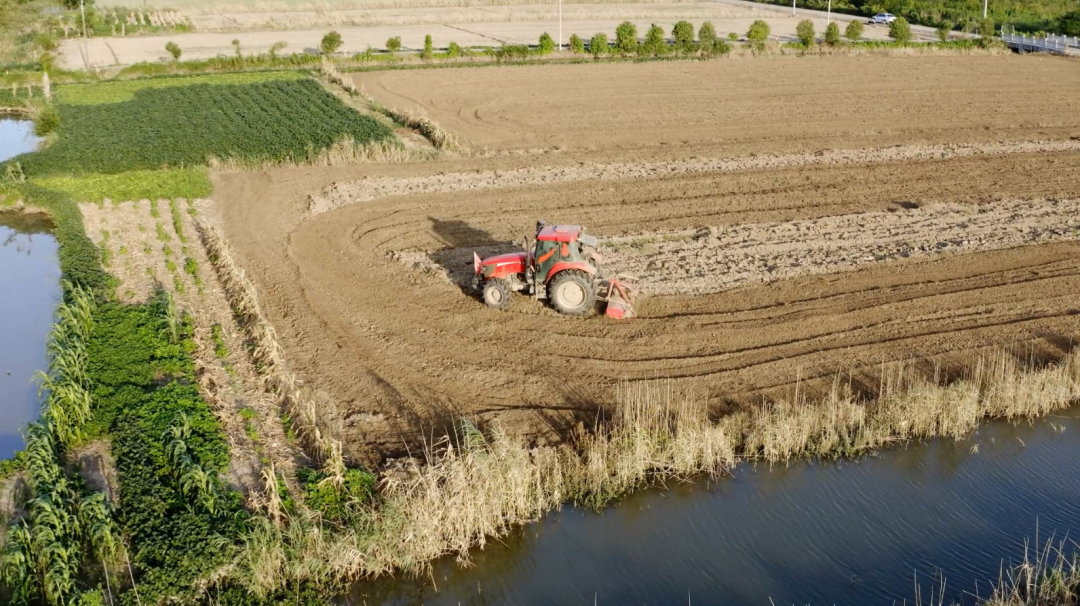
x=850, y=532
x=16, y=137
x=29, y=292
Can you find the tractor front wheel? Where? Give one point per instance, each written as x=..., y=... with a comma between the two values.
x=572, y=292
x=497, y=293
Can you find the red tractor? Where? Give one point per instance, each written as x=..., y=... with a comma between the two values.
x=562, y=265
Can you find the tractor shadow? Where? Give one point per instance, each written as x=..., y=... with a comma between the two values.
x=460, y=241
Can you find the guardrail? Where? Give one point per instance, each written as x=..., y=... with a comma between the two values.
x=1049, y=44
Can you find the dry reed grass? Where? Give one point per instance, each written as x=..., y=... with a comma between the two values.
x=345, y=151
x=315, y=417
x=417, y=120
x=475, y=487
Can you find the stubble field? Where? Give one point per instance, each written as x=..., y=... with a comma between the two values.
x=962, y=198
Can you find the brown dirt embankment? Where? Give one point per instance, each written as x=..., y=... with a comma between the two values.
x=403, y=351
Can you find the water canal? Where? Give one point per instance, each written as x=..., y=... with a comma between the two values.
x=29, y=292
x=844, y=533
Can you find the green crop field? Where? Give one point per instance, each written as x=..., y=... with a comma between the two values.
x=96, y=93
x=169, y=126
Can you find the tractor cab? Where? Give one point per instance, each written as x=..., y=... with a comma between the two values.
x=559, y=247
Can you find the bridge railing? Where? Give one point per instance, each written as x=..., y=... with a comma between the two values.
x=1052, y=44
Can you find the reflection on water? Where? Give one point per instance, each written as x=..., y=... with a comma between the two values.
x=855, y=533
x=16, y=137
x=29, y=292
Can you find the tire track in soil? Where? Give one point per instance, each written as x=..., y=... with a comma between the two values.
x=404, y=351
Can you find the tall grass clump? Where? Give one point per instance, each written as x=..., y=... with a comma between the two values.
x=1046, y=575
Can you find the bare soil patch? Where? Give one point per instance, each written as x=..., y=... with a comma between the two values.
x=737, y=106
x=404, y=352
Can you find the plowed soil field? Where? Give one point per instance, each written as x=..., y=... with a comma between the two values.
x=357, y=266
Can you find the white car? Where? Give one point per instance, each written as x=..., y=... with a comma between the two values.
x=885, y=18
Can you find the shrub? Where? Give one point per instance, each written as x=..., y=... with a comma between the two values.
x=330, y=43
x=854, y=31
x=832, y=34
x=598, y=45
x=393, y=45
x=706, y=34
x=577, y=45
x=174, y=50
x=277, y=47
x=546, y=45
x=454, y=50
x=46, y=120
x=683, y=34
x=336, y=501
x=429, y=48
x=900, y=30
x=1069, y=23
x=986, y=27
x=719, y=47
x=758, y=32
x=655, y=45
x=626, y=41
x=943, y=31
x=805, y=31
x=733, y=37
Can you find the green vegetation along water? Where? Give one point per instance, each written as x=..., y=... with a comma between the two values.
x=29, y=291
x=858, y=533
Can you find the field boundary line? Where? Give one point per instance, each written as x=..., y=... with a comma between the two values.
x=370, y=189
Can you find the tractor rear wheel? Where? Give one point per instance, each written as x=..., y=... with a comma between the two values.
x=572, y=292
x=497, y=293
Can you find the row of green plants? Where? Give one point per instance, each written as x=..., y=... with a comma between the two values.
x=64, y=545
x=182, y=126
x=125, y=373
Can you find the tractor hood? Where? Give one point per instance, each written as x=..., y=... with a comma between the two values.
x=500, y=265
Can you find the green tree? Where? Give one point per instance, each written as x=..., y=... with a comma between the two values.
x=577, y=45
x=900, y=30
x=626, y=38
x=683, y=33
x=454, y=50
x=429, y=49
x=330, y=42
x=706, y=35
x=986, y=27
x=655, y=45
x=393, y=45
x=547, y=44
x=854, y=31
x=174, y=50
x=598, y=45
x=1069, y=24
x=832, y=34
x=805, y=31
x=758, y=33
x=943, y=31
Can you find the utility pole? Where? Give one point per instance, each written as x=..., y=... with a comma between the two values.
x=828, y=17
x=985, y=2
x=792, y=8
x=82, y=9
x=560, y=25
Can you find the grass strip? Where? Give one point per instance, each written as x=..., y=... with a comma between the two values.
x=132, y=185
